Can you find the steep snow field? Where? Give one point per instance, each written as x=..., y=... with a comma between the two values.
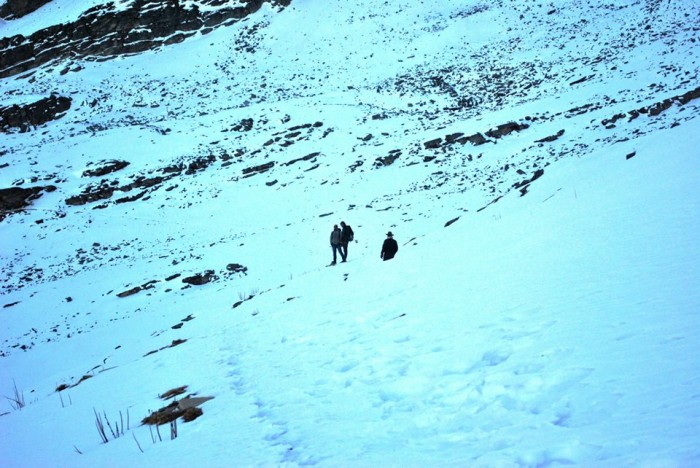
x=543, y=307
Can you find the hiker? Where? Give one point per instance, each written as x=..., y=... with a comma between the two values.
x=335, y=242
x=346, y=236
x=389, y=247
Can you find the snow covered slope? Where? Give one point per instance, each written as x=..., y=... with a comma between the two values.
x=536, y=161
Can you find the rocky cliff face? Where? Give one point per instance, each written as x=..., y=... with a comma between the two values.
x=110, y=30
x=18, y=8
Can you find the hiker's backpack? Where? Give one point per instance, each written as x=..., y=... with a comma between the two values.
x=351, y=235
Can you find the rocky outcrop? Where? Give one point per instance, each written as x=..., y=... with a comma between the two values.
x=16, y=198
x=105, y=167
x=17, y=8
x=655, y=109
x=476, y=139
x=24, y=118
x=106, y=31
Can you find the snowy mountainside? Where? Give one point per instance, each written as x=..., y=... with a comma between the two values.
x=536, y=160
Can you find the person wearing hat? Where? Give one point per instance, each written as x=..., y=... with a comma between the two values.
x=389, y=247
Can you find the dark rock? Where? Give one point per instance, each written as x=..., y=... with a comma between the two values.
x=654, y=109
x=451, y=221
x=91, y=194
x=524, y=185
x=236, y=268
x=199, y=163
x=304, y=158
x=433, y=144
x=243, y=126
x=17, y=8
x=581, y=80
x=129, y=292
x=16, y=198
x=107, y=167
x=201, y=278
x=387, y=160
x=476, y=139
x=551, y=137
x=505, y=129
x=258, y=169
x=25, y=118
x=453, y=137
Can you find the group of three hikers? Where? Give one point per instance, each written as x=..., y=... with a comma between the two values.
x=340, y=238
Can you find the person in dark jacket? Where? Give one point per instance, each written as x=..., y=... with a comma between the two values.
x=335, y=242
x=389, y=247
x=346, y=236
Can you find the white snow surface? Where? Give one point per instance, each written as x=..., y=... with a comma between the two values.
x=559, y=327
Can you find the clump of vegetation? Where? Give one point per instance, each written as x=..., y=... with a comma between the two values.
x=164, y=415
x=17, y=398
x=117, y=430
x=191, y=414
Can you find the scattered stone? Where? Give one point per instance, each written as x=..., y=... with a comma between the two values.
x=387, y=160
x=525, y=184
x=244, y=125
x=236, y=268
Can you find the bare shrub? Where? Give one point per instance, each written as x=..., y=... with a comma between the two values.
x=117, y=429
x=17, y=398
